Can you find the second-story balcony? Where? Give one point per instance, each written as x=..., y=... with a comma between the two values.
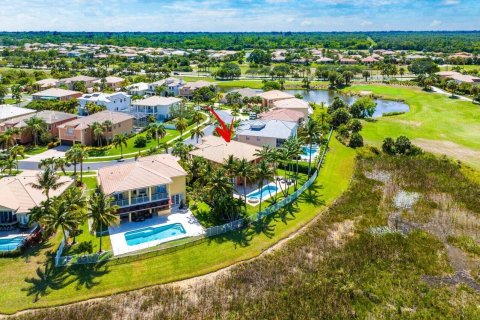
x=140, y=199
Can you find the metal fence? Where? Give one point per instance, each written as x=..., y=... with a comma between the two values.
x=187, y=242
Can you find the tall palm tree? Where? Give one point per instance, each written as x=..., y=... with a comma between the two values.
x=46, y=163
x=35, y=126
x=8, y=138
x=47, y=180
x=197, y=117
x=73, y=155
x=60, y=164
x=181, y=125
x=17, y=151
x=97, y=130
x=102, y=213
x=120, y=140
x=58, y=215
x=312, y=132
x=197, y=132
x=230, y=166
x=263, y=172
x=294, y=145
x=158, y=131
x=76, y=205
x=246, y=171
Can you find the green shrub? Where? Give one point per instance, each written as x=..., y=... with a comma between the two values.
x=140, y=142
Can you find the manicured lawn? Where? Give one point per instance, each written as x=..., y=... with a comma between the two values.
x=436, y=122
x=84, y=236
x=31, y=150
x=131, y=147
x=90, y=182
x=82, y=282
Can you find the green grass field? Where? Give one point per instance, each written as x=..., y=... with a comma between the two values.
x=435, y=122
x=37, y=284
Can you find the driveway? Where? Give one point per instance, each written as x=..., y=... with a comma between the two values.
x=57, y=152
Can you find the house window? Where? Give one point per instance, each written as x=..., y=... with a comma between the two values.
x=69, y=130
x=247, y=138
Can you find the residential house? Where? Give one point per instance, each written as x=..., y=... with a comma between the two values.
x=283, y=115
x=138, y=89
x=56, y=94
x=172, y=87
x=325, y=60
x=295, y=104
x=348, y=61
x=80, y=131
x=269, y=97
x=217, y=150
x=114, y=83
x=159, y=107
x=18, y=197
x=188, y=88
x=9, y=112
x=53, y=119
x=146, y=187
x=70, y=82
x=118, y=101
x=458, y=77
x=46, y=84
x=266, y=132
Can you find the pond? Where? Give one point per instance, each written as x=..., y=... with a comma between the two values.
x=326, y=96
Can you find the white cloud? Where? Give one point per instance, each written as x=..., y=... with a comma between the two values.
x=435, y=23
x=451, y=2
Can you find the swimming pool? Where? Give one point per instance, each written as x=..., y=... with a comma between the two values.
x=10, y=244
x=265, y=192
x=307, y=152
x=145, y=235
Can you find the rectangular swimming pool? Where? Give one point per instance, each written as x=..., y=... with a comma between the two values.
x=266, y=191
x=10, y=244
x=149, y=234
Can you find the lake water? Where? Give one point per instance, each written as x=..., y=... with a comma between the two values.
x=327, y=96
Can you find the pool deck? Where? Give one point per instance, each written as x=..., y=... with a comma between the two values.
x=188, y=221
x=280, y=185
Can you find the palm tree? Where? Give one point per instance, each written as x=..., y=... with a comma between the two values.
x=46, y=163
x=246, y=172
x=120, y=140
x=158, y=131
x=197, y=117
x=230, y=166
x=181, y=125
x=17, y=151
x=263, y=172
x=60, y=164
x=58, y=215
x=102, y=213
x=82, y=155
x=197, y=132
x=97, y=130
x=312, y=132
x=47, y=180
x=9, y=164
x=181, y=150
x=76, y=205
x=3, y=93
x=294, y=146
x=17, y=93
x=8, y=138
x=73, y=156
x=35, y=126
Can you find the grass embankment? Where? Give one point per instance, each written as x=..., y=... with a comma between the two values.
x=341, y=267
x=435, y=122
x=49, y=286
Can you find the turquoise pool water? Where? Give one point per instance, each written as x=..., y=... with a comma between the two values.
x=265, y=192
x=306, y=150
x=148, y=234
x=10, y=244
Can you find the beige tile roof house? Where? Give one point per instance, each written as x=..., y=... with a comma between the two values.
x=188, y=88
x=145, y=186
x=46, y=83
x=79, y=130
x=295, y=104
x=269, y=97
x=56, y=94
x=216, y=150
x=53, y=119
x=283, y=114
x=458, y=77
x=18, y=197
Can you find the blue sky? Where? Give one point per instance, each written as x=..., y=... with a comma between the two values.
x=241, y=15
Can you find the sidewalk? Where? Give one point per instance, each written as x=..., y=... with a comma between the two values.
x=441, y=91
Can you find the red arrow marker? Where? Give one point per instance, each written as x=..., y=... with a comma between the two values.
x=225, y=132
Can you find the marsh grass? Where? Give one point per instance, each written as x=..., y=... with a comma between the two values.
x=336, y=269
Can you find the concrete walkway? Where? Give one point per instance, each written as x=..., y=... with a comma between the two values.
x=441, y=91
